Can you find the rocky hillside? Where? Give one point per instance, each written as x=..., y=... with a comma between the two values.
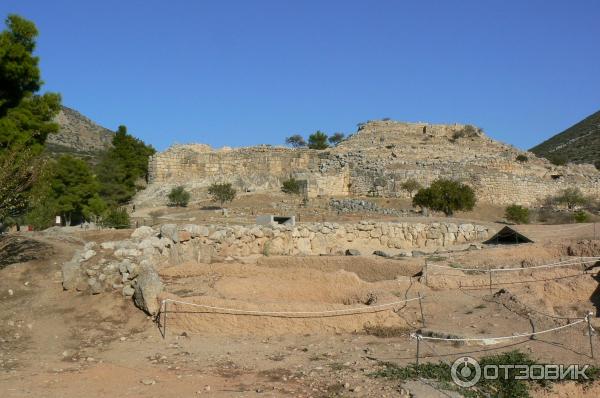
x=579, y=143
x=78, y=136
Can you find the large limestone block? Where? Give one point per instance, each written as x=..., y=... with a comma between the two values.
x=148, y=287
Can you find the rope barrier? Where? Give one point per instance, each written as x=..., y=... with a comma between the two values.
x=516, y=336
x=564, y=263
x=291, y=313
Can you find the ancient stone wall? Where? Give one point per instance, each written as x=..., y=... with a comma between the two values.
x=376, y=161
x=204, y=243
x=248, y=169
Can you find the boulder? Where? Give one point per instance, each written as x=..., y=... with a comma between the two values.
x=71, y=275
x=128, y=291
x=381, y=253
x=148, y=287
x=87, y=255
x=169, y=231
x=142, y=233
x=352, y=252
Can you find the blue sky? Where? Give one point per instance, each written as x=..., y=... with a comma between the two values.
x=248, y=72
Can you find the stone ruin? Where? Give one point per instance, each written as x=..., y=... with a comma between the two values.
x=376, y=160
x=131, y=265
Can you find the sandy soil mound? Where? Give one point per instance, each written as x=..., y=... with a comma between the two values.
x=370, y=269
x=259, y=288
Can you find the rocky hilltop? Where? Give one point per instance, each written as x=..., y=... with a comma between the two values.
x=376, y=160
x=579, y=143
x=78, y=135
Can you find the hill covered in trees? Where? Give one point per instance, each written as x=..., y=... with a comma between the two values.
x=579, y=143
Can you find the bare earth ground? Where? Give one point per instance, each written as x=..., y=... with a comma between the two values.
x=64, y=344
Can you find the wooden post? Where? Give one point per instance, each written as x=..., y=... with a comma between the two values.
x=421, y=306
x=418, y=344
x=490, y=272
x=590, y=331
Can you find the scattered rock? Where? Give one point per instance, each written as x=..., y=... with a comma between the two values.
x=352, y=252
x=128, y=291
x=142, y=233
x=381, y=253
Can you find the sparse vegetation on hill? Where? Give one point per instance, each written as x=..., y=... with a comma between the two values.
x=179, y=197
x=579, y=143
x=336, y=138
x=117, y=218
x=517, y=214
x=446, y=196
x=522, y=158
x=557, y=159
x=411, y=185
x=291, y=186
x=78, y=136
x=318, y=140
x=467, y=131
x=581, y=216
x=222, y=193
x=296, y=141
x=571, y=197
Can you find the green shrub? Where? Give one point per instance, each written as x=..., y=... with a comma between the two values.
x=467, y=131
x=291, y=186
x=571, y=197
x=411, y=185
x=222, y=193
x=517, y=214
x=336, y=138
x=116, y=218
x=179, y=197
x=447, y=196
x=581, y=216
x=522, y=158
x=558, y=159
x=318, y=140
x=295, y=141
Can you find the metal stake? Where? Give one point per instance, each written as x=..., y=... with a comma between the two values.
x=418, y=344
x=590, y=331
x=421, y=306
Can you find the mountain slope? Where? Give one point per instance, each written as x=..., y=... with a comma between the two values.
x=78, y=136
x=579, y=143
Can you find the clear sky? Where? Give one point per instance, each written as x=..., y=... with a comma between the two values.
x=255, y=71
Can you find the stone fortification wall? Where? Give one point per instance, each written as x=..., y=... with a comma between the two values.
x=260, y=168
x=376, y=161
x=203, y=243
